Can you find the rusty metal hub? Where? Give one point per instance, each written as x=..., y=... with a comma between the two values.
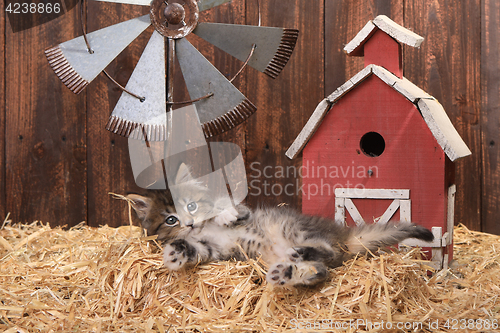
x=174, y=13
x=176, y=19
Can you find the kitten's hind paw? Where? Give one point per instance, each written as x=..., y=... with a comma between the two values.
x=177, y=254
x=295, y=274
x=280, y=274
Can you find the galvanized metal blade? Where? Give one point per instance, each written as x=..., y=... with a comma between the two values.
x=227, y=108
x=147, y=117
x=163, y=164
x=130, y=2
x=274, y=46
x=77, y=67
x=152, y=161
x=207, y=4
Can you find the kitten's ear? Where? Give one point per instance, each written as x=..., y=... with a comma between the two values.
x=183, y=174
x=141, y=205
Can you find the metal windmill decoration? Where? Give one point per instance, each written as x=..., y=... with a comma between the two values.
x=148, y=96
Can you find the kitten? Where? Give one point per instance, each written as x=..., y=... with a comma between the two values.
x=299, y=249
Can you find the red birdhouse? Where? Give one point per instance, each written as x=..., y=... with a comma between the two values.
x=379, y=148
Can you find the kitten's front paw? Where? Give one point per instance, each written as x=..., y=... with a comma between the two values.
x=226, y=217
x=177, y=254
x=173, y=259
x=310, y=253
x=294, y=254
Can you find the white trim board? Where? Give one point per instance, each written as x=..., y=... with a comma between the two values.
x=388, y=26
x=368, y=193
x=343, y=203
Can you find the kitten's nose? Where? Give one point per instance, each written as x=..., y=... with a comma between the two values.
x=189, y=223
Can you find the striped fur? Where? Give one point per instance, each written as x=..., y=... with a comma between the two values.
x=299, y=249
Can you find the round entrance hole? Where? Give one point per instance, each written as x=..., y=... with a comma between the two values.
x=372, y=144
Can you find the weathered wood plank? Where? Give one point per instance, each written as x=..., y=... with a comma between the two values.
x=442, y=129
x=401, y=34
x=389, y=213
x=405, y=210
x=354, y=212
x=284, y=104
x=490, y=117
x=360, y=38
x=340, y=210
x=109, y=167
x=308, y=129
x=45, y=130
x=447, y=66
x=3, y=188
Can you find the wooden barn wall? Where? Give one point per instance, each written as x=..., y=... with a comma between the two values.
x=489, y=117
x=58, y=164
x=2, y=113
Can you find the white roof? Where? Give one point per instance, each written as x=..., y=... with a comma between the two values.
x=432, y=112
x=382, y=22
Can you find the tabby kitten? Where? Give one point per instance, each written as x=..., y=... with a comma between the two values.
x=299, y=249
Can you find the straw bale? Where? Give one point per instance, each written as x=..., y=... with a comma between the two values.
x=104, y=279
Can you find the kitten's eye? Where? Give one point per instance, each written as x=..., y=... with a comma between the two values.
x=192, y=207
x=171, y=220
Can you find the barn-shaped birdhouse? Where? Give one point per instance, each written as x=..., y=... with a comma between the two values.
x=379, y=148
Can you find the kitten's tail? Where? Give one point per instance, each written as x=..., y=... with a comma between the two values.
x=371, y=237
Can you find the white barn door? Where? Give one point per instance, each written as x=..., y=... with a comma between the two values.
x=343, y=202
x=400, y=200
